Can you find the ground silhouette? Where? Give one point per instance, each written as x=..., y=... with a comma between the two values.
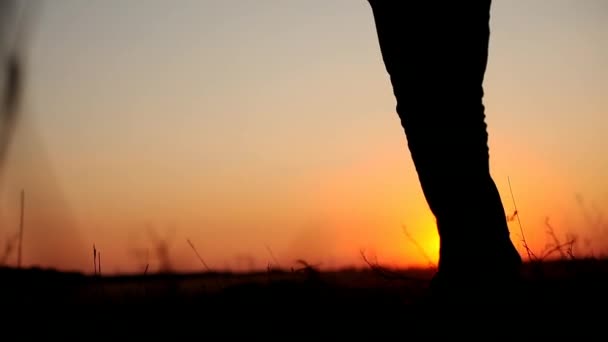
x=554, y=290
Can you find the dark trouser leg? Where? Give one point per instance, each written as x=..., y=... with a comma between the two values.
x=436, y=56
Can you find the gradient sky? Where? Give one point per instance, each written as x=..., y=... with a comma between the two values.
x=246, y=126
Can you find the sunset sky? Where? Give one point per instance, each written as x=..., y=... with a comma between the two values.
x=249, y=126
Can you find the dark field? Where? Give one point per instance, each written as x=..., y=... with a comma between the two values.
x=573, y=289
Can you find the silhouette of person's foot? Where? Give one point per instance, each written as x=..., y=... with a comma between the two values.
x=490, y=282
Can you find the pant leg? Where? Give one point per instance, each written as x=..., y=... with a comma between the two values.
x=436, y=56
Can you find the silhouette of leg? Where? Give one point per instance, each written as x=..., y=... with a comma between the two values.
x=436, y=56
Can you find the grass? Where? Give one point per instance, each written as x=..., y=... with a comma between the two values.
x=563, y=296
x=557, y=285
x=565, y=287
x=551, y=286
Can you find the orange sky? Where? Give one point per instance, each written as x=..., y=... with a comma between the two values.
x=206, y=122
